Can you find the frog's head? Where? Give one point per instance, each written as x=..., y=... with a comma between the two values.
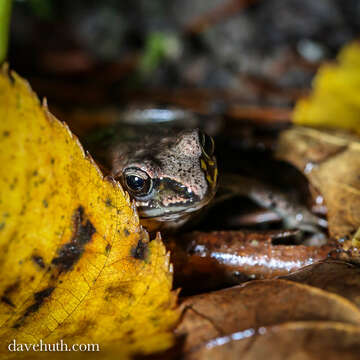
x=173, y=177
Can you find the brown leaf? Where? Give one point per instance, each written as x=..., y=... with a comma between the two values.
x=338, y=277
x=294, y=340
x=257, y=304
x=331, y=161
x=211, y=260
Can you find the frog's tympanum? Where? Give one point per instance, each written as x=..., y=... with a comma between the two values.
x=170, y=173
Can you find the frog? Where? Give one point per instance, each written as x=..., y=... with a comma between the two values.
x=165, y=160
x=168, y=169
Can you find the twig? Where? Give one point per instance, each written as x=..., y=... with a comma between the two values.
x=258, y=114
x=5, y=11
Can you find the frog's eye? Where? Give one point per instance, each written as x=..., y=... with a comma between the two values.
x=207, y=144
x=137, y=181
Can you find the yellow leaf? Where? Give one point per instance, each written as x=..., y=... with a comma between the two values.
x=74, y=262
x=335, y=99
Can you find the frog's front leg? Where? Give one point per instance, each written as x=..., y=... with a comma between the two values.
x=293, y=214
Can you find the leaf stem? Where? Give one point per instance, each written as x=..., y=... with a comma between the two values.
x=5, y=11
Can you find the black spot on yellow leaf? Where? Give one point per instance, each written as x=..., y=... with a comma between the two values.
x=140, y=251
x=14, y=183
x=108, y=248
x=7, y=301
x=5, y=298
x=119, y=289
x=71, y=252
x=38, y=260
x=39, y=298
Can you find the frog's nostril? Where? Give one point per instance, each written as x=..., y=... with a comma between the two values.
x=207, y=143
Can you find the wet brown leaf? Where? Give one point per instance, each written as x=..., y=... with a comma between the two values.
x=257, y=304
x=289, y=341
x=338, y=277
x=212, y=260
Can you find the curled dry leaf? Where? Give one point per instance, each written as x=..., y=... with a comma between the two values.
x=75, y=263
x=331, y=162
x=335, y=102
x=212, y=260
x=257, y=304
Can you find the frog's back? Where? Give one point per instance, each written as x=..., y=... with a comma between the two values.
x=135, y=129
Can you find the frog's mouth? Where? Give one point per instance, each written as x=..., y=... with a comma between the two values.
x=175, y=212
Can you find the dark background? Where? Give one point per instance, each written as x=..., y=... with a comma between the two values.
x=257, y=51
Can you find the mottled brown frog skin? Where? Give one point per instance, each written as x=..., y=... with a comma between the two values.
x=170, y=173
